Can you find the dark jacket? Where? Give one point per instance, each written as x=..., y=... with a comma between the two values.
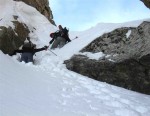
x=27, y=53
x=64, y=34
x=61, y=33
x=30, y=50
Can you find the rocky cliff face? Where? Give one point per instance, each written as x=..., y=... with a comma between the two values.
x=42, y=6
x=124, y=42
x=147, y=3
x=127, y=66
x=12, y=38
x=129, y=74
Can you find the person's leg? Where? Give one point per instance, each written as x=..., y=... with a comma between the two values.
x=55, y=43
x=24, y=57
x=62, y=42
x=30, y=57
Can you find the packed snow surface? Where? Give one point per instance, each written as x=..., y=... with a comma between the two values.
x=47, y=88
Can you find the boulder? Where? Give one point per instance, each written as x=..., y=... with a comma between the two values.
x=128, y=64
x=129, y=74
x=146, y=2
x=125, y=42
x=11, y=39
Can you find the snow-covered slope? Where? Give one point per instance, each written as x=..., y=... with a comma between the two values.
x=48, y=88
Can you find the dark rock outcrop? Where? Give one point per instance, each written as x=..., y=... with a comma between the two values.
x=128, y=48
x=129, y=74
x=125, y=42
x=146, y=2
x=11, y=39
x=42, y=6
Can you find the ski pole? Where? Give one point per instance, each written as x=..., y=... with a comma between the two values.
x=50, y=50
x=48, y=47
x=53, y=52
x=75, y=38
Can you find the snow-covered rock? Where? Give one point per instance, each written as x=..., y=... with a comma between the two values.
x=128, y=49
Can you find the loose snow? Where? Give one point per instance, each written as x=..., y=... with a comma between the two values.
x=48, y=88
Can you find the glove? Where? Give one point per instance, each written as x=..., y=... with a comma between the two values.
x=45, y=47
x=51, y=42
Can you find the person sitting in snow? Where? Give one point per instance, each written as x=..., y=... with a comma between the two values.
x=28, y=50
x=59, y=38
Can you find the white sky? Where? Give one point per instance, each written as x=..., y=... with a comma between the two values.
x=82, y=14
x=48, y=88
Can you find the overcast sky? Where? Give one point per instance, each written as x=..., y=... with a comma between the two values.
x=79, y=15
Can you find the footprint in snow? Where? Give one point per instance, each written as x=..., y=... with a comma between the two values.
x=115, y=95
x=65, y=96
x=125, y=101
x=67, y=82
x=105, y=90
x=115, y=104
x=142, y=109
x=126, y=112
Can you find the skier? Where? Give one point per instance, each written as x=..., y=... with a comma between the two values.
x=28, y=50
x=59, y=38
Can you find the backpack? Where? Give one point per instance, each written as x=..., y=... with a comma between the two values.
x=66, y=34
x=66, y=31
x=56, y=34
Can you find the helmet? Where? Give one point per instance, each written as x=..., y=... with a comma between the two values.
x=59, y=26
x=51, y=35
